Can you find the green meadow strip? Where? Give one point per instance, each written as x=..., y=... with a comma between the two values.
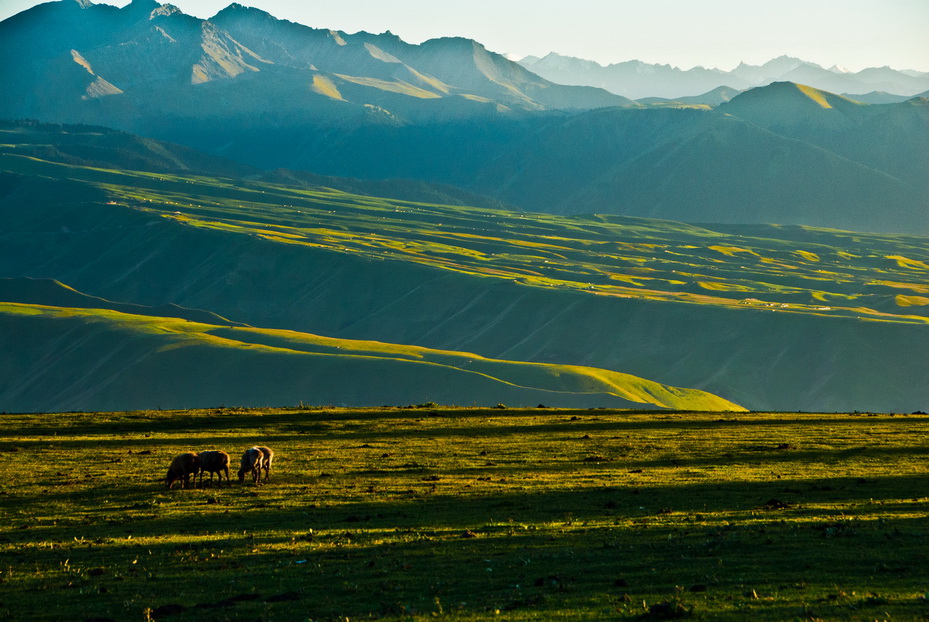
x=464, y=514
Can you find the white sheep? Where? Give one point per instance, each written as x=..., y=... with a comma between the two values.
x=252, y=462
x=266, y=462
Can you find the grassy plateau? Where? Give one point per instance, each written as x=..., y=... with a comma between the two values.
x=430, y=512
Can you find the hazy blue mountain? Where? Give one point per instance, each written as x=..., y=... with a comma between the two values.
x=633, y=79
x=769, y=71
x=638, y=80
x=877, y=97
x=711, y=98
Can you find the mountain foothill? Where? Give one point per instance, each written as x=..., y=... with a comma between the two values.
x=246, y=209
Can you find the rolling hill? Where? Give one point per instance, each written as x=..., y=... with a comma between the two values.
x=95, y=358
x=764, y=316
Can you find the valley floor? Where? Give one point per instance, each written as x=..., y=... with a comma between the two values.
x=424, y=512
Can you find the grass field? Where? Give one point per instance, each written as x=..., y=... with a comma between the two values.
x=464, y=514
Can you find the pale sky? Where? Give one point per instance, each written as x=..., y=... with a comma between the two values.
x=854, y=34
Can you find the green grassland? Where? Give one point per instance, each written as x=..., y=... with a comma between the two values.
x=782, y=269
x=465, y=514
x=71, y=354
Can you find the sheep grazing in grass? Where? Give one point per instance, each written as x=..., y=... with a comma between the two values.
x=252, y=462
x=182, y=467
x=266, y=462
x=214, y=462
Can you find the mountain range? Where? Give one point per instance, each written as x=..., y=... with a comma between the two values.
x=78, y=61
x=637, y=80
x=290, y=214
x=273, y=94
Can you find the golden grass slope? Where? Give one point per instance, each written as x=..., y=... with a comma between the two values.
x=773, y=268
x=78, y=353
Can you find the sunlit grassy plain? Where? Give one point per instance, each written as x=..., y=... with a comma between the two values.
x=433, y=512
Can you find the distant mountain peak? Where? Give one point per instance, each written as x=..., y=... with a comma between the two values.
x=788, y=102
x=84, y=4
x=240, y=10
x=784, y=58
x=142, y=8
x=165, y=10
x=142, y=5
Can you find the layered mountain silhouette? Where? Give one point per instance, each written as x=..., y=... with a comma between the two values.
x=637, y=80
x=272, y=94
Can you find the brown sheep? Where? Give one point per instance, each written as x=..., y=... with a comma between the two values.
x=252, y=462
x=266, y=462
x=214, y=462
x=182, y=467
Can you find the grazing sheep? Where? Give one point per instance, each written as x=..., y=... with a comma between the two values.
x=266, y=463
x=214, y=462
x=182, y=467
x=252, y=462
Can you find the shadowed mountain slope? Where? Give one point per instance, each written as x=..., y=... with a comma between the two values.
x=767, y=317
x=703, y=166
x=890, y=138
x=848, y=166
x=99, y=147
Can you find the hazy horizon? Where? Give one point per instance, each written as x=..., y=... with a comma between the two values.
x=853, y=34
